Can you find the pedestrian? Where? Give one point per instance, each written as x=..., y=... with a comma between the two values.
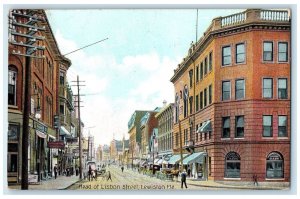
x=189, y=172
x=255, y=180
x=183, y=179
x=122, y=168
x=55, y=171
x=109, y=176
x=90, y=172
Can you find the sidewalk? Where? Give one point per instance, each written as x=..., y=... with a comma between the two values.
x=61, y=182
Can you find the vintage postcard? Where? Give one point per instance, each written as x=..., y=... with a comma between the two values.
x=148, y=99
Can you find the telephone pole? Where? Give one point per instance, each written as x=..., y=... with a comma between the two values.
x=79, y=123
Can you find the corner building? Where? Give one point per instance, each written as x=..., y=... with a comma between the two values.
x=232, y=99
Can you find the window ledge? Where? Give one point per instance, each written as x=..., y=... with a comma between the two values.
x=238, y=138
x=12, y=106
x=268, y=138
x=274, y=179
x=282, y=138
x=225, y=138
x=232, y=179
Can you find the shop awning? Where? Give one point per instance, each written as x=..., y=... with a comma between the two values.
x=40, y=134
x=195, y=157
x=64, y=131
x=205, y=127
x=159, y=162
x=176, y=158
x=143, y=162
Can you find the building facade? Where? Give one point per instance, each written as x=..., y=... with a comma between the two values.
x=44, y=99
x=165, y=131
x=232, y=99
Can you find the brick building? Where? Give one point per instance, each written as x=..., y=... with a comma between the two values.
x=232, y=99
x=44, y=99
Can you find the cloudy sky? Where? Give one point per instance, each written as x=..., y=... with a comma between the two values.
x=132, y=69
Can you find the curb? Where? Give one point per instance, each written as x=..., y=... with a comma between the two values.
x=71, y=184
x=237, y=187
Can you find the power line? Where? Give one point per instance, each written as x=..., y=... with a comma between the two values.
x=85, y=46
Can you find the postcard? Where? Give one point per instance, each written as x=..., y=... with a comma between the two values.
x=149, y=99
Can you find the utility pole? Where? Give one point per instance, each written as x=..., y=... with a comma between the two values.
x=79, y=121
x=26, y=22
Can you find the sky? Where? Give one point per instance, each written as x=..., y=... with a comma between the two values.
x=131, y=70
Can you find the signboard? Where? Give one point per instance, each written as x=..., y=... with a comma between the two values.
x=40, y=126
x=56, y=145
x=32, y=178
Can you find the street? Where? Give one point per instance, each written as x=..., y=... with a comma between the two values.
x=130, y=180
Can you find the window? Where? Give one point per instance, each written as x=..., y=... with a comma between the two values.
x=268, y=51
x=176, y=139
x=240, y=89
x=210, y=94
x=267, y=126
x=191, y=104
x=61, y=78
x=226, y=127
x=205, y=97
x=240, y=53
x=282, y=130
x=239, y=123
x=267, y=88
x=197, y=102
x=201, y=71
x=185, y=100
x=62, y=109
x=197, y=73
x=274, y=165
x=282, y=88
x=225, y=90
x=210, y=61
x=201, y=100
x=205, y=66
x=176, y=108
x=282, y=51
x=191, y=78
x=226, y=55
x=232, y=165
x=13, y=132
x=12, y=87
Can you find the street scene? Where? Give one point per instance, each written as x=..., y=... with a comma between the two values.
x=148, y=99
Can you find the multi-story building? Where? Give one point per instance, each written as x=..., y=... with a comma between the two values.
x=232, y=99
x=106, y=154
x=148, y=123
x=44, y=99
x=116, y=148
x=99, y=153
x=134, y=132
x=165, y=131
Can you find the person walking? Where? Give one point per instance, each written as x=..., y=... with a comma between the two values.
x=109, y=176
x=122, y=168
x=55, y=171
x=90, y=172
x=183, y=179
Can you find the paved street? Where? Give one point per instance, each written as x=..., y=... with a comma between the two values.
x=131, y=180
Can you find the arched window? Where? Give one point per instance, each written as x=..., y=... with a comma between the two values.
x=274, y=165
x=232, y=165
x=12, y=85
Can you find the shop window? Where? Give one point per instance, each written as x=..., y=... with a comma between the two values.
x=274, y=165
x=267, y=126
x=13, y=132
x=282, y=51
x=282, y=88
x=268, y=51
x=232, y=165
x=239, y=130
x=226, y=127
x=226, y=56
x=282, y=126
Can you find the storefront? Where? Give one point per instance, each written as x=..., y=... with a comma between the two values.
x=195, y=165
x=175, y=160
x=12, y=152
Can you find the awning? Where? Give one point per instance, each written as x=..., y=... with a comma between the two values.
x=40, y=134
x=159, y=162
x=176, y=158
x=142, y=163
x=64, y=131
x=52, y=137
x=195, y=157
x=205, y=127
